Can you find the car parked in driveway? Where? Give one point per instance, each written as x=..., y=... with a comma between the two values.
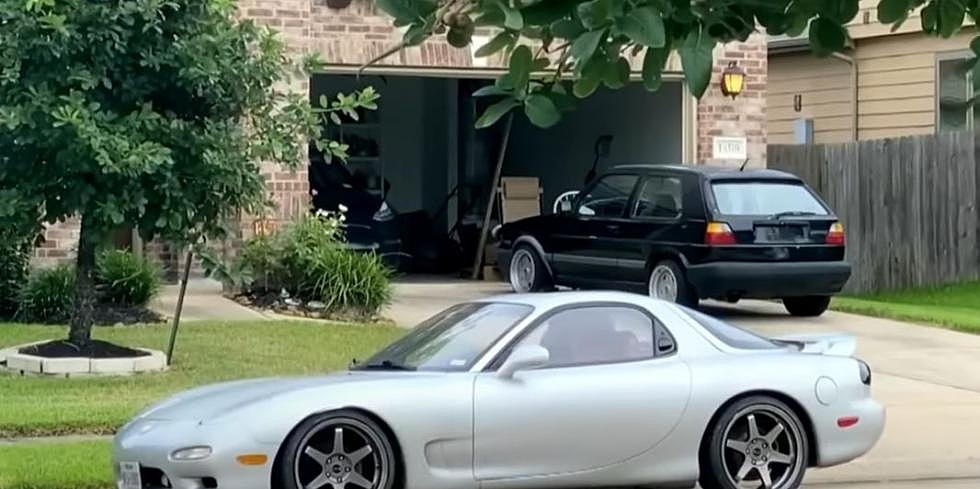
x=685, y=233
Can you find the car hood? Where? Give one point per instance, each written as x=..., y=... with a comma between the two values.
x=211, y=401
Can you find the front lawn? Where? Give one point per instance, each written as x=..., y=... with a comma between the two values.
x=56, y=465
x=955, y=306
x=206, y=352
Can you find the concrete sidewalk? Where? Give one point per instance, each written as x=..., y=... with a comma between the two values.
x=203, y=301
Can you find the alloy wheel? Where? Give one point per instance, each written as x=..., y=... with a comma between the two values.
x=762, y=447
x=663, y=283
x=341, y=454
x=522, y=271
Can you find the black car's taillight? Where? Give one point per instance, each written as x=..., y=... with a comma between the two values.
x=865, y=371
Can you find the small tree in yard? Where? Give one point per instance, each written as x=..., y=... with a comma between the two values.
x=588, y=43
x=153, y=113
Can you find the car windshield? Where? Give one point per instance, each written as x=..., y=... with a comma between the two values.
x=450, y=341
x=774, y=198
x=732, y=335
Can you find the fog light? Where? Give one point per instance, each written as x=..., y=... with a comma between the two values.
x=191, y=453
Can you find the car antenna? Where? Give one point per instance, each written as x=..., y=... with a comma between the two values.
x=746, y=162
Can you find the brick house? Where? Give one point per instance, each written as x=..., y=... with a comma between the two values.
x=423, y=140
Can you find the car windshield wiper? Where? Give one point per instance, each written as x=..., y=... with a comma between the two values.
x=780, y=215
x=385, y=365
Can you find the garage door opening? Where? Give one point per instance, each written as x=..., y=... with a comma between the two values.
x=419, y=173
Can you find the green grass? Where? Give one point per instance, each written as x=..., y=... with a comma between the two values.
x=56, y=465
x=206, y=352
x=955, y=306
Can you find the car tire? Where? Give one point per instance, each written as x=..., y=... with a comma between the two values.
x=311, y=455
x=527, y=272
x=809, y=306
x=733, y=451
x=667, y=281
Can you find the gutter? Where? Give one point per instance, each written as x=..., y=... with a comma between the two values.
x=854, y=91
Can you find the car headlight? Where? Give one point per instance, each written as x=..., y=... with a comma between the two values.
x=191, y=453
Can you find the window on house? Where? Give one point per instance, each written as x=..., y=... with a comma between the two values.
x=954, y=94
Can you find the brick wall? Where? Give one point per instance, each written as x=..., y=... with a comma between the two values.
x=60, y=243
x=746, y=115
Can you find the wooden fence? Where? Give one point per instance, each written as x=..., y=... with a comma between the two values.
x=908, y=205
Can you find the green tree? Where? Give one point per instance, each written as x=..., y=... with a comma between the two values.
x=590, y=41
x=152, y=113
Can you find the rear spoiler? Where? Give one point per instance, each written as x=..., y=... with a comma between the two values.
x=834, y=344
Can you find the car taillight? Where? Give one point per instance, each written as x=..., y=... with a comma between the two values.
x=835, y=236
x=719, y=233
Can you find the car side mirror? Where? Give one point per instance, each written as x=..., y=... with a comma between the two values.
x=565, y=206
x=523, y=357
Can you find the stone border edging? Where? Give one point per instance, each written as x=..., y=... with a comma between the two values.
x=12, y=360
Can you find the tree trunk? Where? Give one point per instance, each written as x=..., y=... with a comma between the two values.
x=80, y=332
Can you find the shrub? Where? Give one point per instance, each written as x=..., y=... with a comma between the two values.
x=309, y=260
x=15, y=258
x=48, y=295
x=124, y=279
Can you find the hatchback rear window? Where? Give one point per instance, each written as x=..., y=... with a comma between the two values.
x=730, y=334
x=765, y=199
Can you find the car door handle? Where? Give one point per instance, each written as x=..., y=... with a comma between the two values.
x=612, y=227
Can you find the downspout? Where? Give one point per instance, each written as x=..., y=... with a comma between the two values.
x=854, y=92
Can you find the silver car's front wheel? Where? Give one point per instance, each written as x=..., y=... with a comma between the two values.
x=758, y=443
x=339, y=451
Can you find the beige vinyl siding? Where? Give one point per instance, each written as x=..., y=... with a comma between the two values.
x=896, y=88
x=823, y=85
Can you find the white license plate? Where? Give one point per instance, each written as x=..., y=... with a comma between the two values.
x=129, y=476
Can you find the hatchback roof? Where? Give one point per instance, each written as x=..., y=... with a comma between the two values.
x=713, y=172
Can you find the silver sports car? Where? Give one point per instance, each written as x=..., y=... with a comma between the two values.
x=558, y=390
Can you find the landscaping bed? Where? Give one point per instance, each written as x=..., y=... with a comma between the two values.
x=206, y=352
x=955, y=306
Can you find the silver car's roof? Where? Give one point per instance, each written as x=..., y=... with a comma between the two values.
x=548, y=300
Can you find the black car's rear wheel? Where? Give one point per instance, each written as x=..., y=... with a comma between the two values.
x=668, y=282
x=338, y=450
x=527, y=272
x=813, y=305
x=758, y=442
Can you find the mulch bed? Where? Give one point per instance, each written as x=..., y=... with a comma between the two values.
x=275, y=302
x=110, y=315
x=96, y=349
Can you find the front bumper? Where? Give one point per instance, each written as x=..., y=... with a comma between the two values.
x=150, y=443
x=767, y=280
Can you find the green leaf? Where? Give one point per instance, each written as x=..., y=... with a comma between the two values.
x=585, y=45
x=653, y=67
x=460, y=37
x=541, y=111
x=617, y=74
x=498, y=42
x=546, y=12
x=929, y=18
x=512, y=17
x=644, y=26
x=520, y=67
x=541, y=64
x=495, y=112
x=595, y=14
x=797, y=24
x=415, y=35
x=590, y=77
x=406, y=11
x=975, y=45
x=490, y=90
x=892, y=10
x=826, y=36
x=566, y=29
x=697, y=58
x=951, y=15
x=324, y=102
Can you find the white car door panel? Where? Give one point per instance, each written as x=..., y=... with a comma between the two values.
x=559, y=420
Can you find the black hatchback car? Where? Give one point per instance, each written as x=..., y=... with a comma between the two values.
x=684, y=233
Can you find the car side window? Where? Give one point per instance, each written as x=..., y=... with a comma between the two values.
x=594, y=335
x=659, y=197
x=609, y=197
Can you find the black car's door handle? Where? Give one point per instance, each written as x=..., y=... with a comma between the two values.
x=613, y=227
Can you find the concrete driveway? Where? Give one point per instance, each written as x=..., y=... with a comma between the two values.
x=928, y=378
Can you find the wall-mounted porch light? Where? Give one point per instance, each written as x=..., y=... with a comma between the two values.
x=732, y=80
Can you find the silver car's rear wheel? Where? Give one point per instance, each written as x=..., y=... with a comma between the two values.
x=340, y=451
x=758, y=443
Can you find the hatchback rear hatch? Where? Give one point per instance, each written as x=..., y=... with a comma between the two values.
x=771, y=212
